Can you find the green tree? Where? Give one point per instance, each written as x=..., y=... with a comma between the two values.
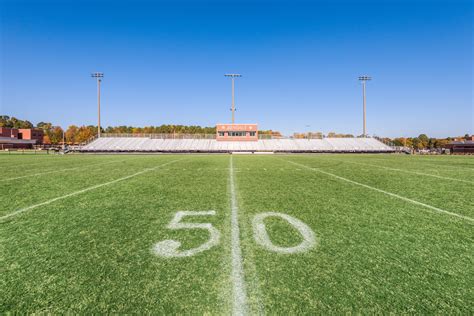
x=417, y=143
x=26, y=124
x=56, y=135
x=44, y=125
x=400, y=141
x=15, y=123
x=424, y=141
x=441, y=143
x=5, y=121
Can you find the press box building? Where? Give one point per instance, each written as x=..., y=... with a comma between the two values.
x=236, y=132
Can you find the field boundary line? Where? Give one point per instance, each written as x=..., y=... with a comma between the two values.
x=409, y=171
x=53, y=160
x=28, y=208
x=23, y=165
x=433, y=164
x=433, y=208
x=61, y=170
x=238, y=279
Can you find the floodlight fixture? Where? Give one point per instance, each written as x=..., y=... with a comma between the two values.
x=365, y=78
x=233, y=75
x=97, y=75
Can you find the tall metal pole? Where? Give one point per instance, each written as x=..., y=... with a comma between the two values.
x=98, y=76
x=233, y=101
x=233, y=76
x=364, y=79
x=365, y=124
x=98, y=107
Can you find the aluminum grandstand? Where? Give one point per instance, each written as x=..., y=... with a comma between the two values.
x=194, y=145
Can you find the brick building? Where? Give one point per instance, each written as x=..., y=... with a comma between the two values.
x=462, y=146
x=31, y=134
x=8, y=132
x=23, y=138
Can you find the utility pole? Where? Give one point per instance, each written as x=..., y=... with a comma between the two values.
x=98, y=76
x=364, y=79
x=233, y=76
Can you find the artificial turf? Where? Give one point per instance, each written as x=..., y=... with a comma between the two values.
x=77, y=233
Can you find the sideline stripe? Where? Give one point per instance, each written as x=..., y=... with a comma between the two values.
x=28, y=208
x=413, y=172
x=385, y=192
x=239, y=292
x=44, y=162
x=22, y=165
x=66, y=169
x=432, y=163
x=30, y=164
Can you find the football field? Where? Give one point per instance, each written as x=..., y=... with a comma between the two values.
x=236, y=234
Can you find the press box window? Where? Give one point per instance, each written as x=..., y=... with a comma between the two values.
x=237, y=134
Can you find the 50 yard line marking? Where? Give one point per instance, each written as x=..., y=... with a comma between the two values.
x=239, y=291
x=384, y=192
x=28, y=208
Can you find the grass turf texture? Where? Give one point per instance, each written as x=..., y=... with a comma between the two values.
x=92, y=252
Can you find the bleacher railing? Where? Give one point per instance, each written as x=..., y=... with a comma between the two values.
x=179, y=136
x=213, y=136
x=161, y=136
x=193, y=136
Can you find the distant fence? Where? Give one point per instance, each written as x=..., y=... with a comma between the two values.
x=23, y=151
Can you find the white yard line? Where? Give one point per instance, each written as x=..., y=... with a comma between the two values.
x=239, y=291
x=384, y=192
x=28, y=208
x=413, y=172
x=61, y=170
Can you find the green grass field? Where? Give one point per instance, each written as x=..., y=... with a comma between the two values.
x=272, y=234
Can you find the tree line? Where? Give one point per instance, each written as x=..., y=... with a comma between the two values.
x=79, y=134
x=423, y=141
x=53, y=134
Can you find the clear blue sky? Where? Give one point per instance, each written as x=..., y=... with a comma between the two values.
x=164, y=63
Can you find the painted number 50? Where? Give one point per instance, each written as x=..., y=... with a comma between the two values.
x=170, y=248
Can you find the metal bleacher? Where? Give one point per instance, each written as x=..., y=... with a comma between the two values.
x=149, y=144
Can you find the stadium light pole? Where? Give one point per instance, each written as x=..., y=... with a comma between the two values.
x=364, y=79
x=98, y=76
x=233, y=76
